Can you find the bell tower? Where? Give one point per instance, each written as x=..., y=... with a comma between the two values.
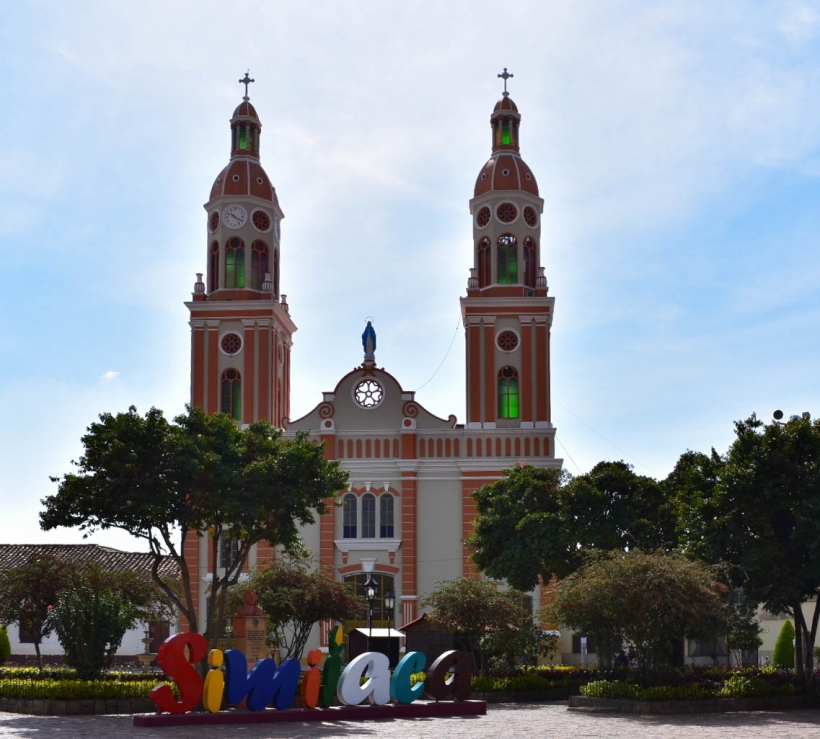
x=241, y=329
x=507, y=312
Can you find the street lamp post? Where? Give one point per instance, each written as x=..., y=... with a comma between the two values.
x=389, y=605
x=371, y=590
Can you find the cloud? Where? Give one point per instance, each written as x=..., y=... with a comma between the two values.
x=110, y=375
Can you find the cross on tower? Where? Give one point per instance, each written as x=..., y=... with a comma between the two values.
x=505, y=75
x=246, y=80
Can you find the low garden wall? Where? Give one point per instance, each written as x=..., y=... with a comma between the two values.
x=43, y=707
x=707, y=705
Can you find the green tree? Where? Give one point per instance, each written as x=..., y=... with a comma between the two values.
x=474, y=610
x=647, y=600
x=758, y=508
x=783, y=655
x=90, y=623
x=200, y=475
x=27, y=591
x=5, y=645
x=294, y=599
x=539, y=522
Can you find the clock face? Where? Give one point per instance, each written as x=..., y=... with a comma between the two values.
x=235, y=216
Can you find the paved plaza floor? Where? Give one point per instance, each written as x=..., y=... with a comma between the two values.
x=501, y=722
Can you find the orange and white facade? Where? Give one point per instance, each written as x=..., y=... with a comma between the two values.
x=404, y=517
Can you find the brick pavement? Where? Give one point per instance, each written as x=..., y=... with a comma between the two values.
x=507, y=721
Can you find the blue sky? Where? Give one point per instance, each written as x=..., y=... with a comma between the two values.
x=676, y=144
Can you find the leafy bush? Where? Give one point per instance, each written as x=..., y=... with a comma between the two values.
x=90, y=623
x=783, y=655
x=5, y=645
x=66, y=673
x=741, y=686
x=73, y=689
x=534, y=678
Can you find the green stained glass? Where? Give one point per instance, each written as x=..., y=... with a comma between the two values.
x=505, y=132
x=243, y=137
x=240, y=268
x=508, y=397
x=230, y=268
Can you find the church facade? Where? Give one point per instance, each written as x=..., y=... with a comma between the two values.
x=403, y=519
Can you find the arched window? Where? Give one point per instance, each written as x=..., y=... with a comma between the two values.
x=384, y=584
x=232, y=394
x=507, y=260
x=235, y=263
x=213, y=267
x=351, y=514
x=386, y=516
x=508, y=393
x=259, y=264
x=368, y=516
x=484, y=263
x=529, y=261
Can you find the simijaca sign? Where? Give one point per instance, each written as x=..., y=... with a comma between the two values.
x=366, y=678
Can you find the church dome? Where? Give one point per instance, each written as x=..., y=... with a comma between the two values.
x=505, y=172
x=245, y=110
x=243, y=177
x=505, y=103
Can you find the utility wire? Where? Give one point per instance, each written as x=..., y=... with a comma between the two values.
x=447, y=354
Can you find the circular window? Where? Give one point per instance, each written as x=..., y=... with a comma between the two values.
x=530, y=217
x=259, y=181
x=507, y=341
x=506, y=212
x=484, y=176
x=218, y=180
x=231, y=343
x=508, y=372
x=368, y=394
x=214, y=222
x=483, y=217
x=505, y=172
x=235, y=178
x=261, y=220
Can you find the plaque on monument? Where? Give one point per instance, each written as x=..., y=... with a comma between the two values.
x=250, y=629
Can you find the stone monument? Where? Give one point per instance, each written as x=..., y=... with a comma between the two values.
x=250, y=629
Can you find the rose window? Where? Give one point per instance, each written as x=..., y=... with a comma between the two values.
x=507, y=341
x=368, y=393
x=260, y=220
x=506, y=212
x=483, y=217
x=231, y=343
x=530, y=217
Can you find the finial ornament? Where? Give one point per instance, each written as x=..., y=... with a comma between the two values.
x=505, y=75
x=246, y=80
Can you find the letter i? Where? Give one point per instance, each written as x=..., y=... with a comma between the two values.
x=214, y=682
x=312, y=679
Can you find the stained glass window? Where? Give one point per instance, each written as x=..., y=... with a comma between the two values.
x=213, y=268
x=232, y=394
x=529, y=262
x=235, y=264
x=508, y=393
x=507, y=260
x=259, y=264
x=484, y=268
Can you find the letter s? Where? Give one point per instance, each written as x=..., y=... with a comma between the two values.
x=171, y=658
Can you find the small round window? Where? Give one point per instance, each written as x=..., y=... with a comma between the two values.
x=261, y=220
x=214, y=222
x=483, y=217
x=507, y=341
x=530, y=217
x=235, y=178
x=368, y=394
x=231, y=343
x=506, y=212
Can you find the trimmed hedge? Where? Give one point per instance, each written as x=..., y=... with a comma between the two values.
x=26, y=683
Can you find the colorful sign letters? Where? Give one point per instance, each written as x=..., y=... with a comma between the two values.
x=365, y=678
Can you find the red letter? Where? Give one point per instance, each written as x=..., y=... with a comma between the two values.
x=172, y=659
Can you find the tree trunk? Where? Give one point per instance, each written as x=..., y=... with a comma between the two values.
x=799, y=642
x=39, y=656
